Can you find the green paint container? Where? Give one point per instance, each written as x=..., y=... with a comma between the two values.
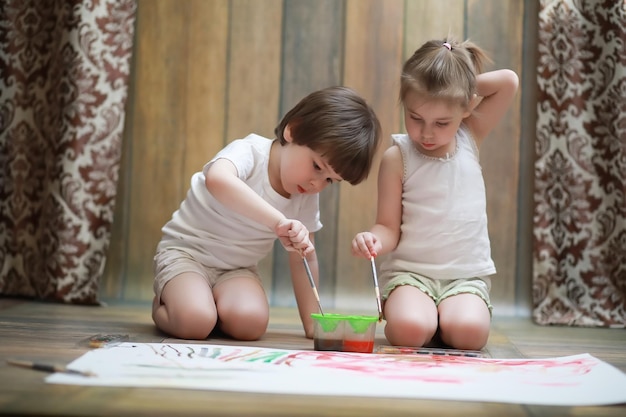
x=344, y=333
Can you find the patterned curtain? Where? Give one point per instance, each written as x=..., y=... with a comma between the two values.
x=64, y=69
x=580, y=169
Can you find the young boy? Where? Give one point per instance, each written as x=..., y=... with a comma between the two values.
x=254, y=191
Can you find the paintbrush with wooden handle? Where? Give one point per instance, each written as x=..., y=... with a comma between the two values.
x=377, y=289
x=312, y=282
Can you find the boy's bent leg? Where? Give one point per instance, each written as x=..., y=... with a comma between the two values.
x=242, y=307
x=464, y=321
x=411, y=317
x=186, y=309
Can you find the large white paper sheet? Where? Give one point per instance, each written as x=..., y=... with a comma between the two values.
x=567, y=381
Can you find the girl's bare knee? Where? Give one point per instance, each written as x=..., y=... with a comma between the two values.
x=409, y=331
x=464, y=321
x=467, y=335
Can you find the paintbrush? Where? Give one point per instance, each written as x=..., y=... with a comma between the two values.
x=312, y=282
x=47, y=367
x=377, y=289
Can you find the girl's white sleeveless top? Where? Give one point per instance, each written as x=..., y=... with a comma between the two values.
x=444, y=218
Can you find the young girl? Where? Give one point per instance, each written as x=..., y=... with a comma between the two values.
x=431, y=199
x=254, y=191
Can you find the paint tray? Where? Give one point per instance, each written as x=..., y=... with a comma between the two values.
x=405, y=350
x=344, y=333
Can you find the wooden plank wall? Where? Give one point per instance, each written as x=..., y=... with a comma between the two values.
x=206, y=72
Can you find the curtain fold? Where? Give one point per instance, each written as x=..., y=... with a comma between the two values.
x=580, y=169
x=64, y=71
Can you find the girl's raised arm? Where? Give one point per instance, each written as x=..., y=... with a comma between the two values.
x=495, y=90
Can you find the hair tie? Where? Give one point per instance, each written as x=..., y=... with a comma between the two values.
x=447, y=45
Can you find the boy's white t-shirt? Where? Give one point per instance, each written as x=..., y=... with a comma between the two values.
x=218, y=237
x=444, y=232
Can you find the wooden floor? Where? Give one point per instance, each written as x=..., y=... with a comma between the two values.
x=57, y=333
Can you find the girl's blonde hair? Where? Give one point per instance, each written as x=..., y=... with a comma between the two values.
x=443, y=69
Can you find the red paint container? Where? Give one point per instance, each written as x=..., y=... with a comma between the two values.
x=344, y=333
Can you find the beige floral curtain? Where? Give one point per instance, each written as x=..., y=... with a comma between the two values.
x=580, y=169
x=64, y=70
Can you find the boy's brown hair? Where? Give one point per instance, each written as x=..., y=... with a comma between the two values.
x=339, y=125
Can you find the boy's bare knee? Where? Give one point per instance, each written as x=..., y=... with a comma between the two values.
x=244, y=323
x=248, y=333
x=192, y=323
